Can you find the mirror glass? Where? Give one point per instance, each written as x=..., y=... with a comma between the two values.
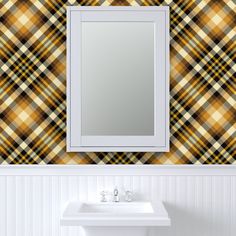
x=117, y=78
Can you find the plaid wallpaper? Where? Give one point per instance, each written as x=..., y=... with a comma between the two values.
x=33, y=84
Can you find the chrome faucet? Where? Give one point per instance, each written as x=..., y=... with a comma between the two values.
x=128, y=196
x=103, y=196
x=116, y=195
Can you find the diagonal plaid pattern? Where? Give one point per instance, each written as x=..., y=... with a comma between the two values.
x=33, y=82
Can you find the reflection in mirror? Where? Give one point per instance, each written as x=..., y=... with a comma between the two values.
x=117, y=78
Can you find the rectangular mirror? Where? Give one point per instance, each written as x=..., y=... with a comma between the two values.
x=117, y=79
x=117, y=83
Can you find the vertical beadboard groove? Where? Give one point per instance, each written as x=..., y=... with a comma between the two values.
x=213, y=199
x=193, y=204
x=64, y=198
x=198, y=205
x=226, y=199
x=233, y=206
x=20, y=205
x=11, y=206
x=44, y=203
x=3, y=209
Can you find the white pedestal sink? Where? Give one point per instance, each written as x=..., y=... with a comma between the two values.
x=115, y=219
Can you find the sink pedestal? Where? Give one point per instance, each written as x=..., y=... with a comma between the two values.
x=115, y=231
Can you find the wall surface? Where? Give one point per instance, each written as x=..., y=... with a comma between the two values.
x=33, y=82
x=200, y=201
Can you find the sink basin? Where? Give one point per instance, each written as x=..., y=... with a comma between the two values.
x=116, y=208
x=115, y=214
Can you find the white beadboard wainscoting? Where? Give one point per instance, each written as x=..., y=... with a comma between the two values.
x=200, y=200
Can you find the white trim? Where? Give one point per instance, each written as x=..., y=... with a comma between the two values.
x=118, y=8
x=68, y=88
x=167, y=77
x=119, y=149
x=75, y=84
x=118, y=170
x=117, y=141
x=160, y=141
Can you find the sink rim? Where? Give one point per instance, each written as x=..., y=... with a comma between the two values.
x=71, y=215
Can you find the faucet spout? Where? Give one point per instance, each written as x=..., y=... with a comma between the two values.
x=116, y=195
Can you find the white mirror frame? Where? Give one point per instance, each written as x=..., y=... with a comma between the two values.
x=159, y=142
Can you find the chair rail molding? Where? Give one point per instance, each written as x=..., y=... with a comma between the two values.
x=91, y=170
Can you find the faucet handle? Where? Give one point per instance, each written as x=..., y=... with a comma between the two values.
x=128, y=196
x=103, y=196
